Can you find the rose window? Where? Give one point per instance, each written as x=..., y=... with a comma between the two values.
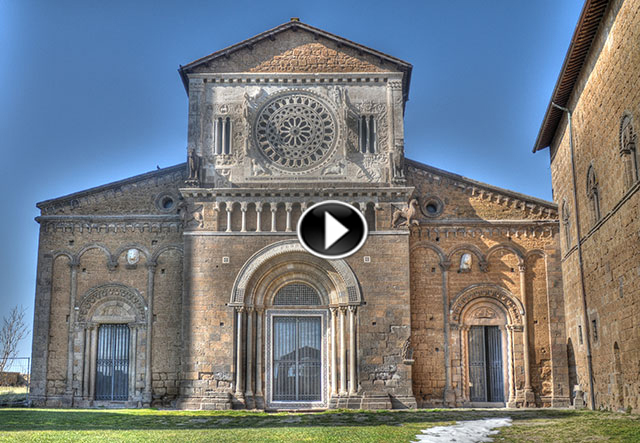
x=295, y=131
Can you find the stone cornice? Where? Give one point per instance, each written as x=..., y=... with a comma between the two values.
x=475, y=188
x=114, y=189
x=516, y=229
x=295, y=193
x=110, y=223
x=299, y=79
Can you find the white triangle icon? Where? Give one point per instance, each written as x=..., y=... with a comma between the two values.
x=333, y=230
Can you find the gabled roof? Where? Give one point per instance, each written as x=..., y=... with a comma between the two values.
x=295, y=25
x=583, y=37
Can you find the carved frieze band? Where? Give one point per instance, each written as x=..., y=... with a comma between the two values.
x=111, y=291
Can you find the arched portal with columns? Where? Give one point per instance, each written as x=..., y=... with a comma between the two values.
x=487, y=324
x=296, y=330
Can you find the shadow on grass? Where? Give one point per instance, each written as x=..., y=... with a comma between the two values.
x=150, y=419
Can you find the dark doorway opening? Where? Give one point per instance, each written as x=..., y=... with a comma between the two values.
x=486, y=379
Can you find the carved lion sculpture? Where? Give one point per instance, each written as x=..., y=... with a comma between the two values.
x=406, y=217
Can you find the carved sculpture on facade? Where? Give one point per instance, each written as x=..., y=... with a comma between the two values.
x=397, y=162
x=406, y=217
x=257, y=169
x=465, y=262
x=189, y=216
x=194, y=162
x=335, y=169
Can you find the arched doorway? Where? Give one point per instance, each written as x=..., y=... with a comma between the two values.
x=296, y=330
x=486, y=317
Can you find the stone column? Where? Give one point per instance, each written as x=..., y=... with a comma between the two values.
x=151, y=272
x=529, y=397
x=239, y=359
x=134, y=366
x=249, y=384
x=343, y=353
x=229, y=208
x=353, y=387
x=274, y=209
x=94, y=356
x=259, y=327
x=71, y=331
x=243, y=208
x=87, y=363
x=334, y=351
x=511, y=403
x=464, y=344
x=288, y=207
x=449, y=392
x=258, y=217
x=41, y=326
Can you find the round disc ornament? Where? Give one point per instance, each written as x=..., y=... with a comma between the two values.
x=295, y=131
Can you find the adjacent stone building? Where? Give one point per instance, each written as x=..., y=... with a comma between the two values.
x=187, y=286
x=591, y=129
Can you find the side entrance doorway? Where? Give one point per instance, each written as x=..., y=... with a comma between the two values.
x=486, y=379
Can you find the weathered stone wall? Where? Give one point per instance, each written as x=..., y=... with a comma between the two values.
x=609, y=88
x=89, y=251
x=502, y=231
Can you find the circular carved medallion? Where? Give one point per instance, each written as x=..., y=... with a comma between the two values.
x=295, y=131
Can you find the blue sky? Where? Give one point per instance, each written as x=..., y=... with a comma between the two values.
x=89, y=91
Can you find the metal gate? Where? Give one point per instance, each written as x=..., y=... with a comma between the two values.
x=486, y=381
x=112, y=366
x=297, y=359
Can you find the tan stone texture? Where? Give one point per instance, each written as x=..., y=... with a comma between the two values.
x=608, y=88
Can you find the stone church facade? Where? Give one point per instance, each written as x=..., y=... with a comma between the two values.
x=595, y=170
x=187, y=286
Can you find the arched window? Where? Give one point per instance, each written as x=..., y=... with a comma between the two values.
x=297, y=294
x=566, y=222
x=593, y=193
x=628, y=150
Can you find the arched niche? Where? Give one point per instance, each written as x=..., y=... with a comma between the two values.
x=286, y=261
x=112, y=303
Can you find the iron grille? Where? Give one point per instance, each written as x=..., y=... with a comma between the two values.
x=297, y=359
x=297, y=294
x=112, y=365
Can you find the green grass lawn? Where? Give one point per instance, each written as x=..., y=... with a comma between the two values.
x=147, y=425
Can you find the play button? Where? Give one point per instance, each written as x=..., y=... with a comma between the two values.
x=332, y=229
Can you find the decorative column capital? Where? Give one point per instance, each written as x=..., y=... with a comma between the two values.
x=259, y=206
x=240, y=309
x=288, y=206
x=445, y=265
x=229, y=206
x=353, y=309
x=274, y=207
x=151, y=266
x=343, y=310
x=522, y=267
x=243, y=206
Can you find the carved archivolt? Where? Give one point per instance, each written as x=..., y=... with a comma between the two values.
x=346, y=275
x=512, y=305
x=101, y=295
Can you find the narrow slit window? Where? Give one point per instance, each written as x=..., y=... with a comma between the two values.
x=218, y=131
x=227, y=136
x=367, y=130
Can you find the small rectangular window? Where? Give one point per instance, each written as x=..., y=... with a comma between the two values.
x=594, y=331
x=580, y=333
